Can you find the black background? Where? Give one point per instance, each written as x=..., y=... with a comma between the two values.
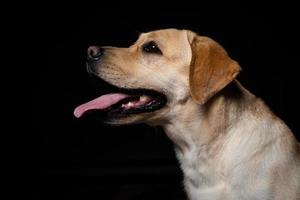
x=63, y=157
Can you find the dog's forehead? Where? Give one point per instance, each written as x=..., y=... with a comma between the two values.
x=163, y=34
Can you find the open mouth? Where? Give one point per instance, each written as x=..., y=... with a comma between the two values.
x=124, y=102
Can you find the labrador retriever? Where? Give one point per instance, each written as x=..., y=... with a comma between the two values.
x=229, y=144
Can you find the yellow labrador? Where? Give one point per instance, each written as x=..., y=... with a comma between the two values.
x=230, y=145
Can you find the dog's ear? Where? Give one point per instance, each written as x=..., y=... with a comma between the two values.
x=211, y=68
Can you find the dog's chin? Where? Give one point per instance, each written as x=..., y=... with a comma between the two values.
x=125, y=120
x=151, y=118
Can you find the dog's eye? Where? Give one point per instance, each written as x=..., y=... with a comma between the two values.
x=151, y=47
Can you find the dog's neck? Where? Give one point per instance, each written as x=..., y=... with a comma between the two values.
x=198, y=144
x=213, y=119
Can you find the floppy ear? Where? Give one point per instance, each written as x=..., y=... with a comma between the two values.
x=211, y=68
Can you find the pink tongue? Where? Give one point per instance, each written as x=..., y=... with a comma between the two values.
x=101, y=102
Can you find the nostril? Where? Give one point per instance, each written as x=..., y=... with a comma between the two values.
x=94, y=53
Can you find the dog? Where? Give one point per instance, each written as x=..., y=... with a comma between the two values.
x=229, y=143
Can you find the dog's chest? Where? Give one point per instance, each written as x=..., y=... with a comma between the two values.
x=200, y=178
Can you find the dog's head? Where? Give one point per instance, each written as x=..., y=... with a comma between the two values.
x=162, y=70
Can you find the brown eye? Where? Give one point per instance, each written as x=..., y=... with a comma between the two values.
x=151, y=47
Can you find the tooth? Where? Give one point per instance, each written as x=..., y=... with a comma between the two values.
x=129, y=104
x=144, y=98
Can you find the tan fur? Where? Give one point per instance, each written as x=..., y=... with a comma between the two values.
x=229, y=144
x=211, y=68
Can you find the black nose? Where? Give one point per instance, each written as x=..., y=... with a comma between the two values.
x=94, y=53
